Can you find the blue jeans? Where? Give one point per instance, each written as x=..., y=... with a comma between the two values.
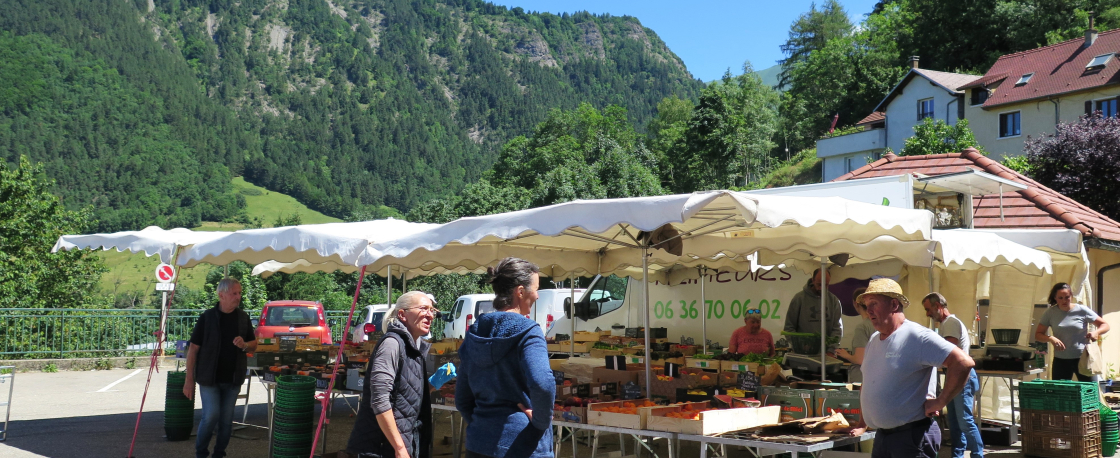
x=218, y=402
x=962, y=425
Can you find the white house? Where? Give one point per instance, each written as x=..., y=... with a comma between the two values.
x=921, y=94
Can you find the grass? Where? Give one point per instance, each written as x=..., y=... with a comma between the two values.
x=804, y=168
x=130, y=272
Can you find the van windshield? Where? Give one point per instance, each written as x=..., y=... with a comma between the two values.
x=485, y=307
x=291, y=316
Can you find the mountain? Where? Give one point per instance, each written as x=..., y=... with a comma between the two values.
x=770, y=76
x=146, y=109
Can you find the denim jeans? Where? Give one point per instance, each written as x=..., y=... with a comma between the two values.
x=962, y=424
x=218, y=402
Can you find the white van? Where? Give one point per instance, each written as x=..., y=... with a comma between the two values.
x=551, y=305
x=370, y=326
x=466, y=310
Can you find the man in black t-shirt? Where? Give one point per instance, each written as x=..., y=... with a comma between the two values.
x=216, y=361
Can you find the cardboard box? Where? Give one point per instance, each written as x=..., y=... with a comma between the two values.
x=842, y=401
x=355, y=379
x=604, y=375
x=702, y=363
x=686, y=350
x=711, y=421
x=603, y=353
x=736, y=366
x=589, y=336
x=570, y=414
x=596, y=416
x=795, y=404
x=445, y=346
x=436, y=361
x=565, y=347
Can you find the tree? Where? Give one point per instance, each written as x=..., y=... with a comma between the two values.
x=847, y=77
x=665, y=131
x=729, y=135
x=937, y=137
x=31, y=220
x=1081, y=160
x=810, y=32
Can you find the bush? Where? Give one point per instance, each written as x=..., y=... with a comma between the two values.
x=50, y=368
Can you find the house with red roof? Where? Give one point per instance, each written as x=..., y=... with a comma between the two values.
x=919, y=95
x=1026, y=94
x=1029, y=207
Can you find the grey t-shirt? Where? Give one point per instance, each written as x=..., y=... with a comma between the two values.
x=954, y=327
x=1069, y=327
x=862, y=334
x=899, y=374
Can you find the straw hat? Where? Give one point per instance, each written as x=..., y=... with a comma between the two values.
x=885, y=287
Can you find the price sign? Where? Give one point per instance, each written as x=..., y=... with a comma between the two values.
x=559, y=376
x=748, y=381
x=631, y=390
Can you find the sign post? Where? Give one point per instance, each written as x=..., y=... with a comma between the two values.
x=165, y=275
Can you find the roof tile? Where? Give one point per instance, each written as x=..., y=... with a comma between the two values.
x=1036, y=207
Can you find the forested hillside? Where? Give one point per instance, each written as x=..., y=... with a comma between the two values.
x=145, y=109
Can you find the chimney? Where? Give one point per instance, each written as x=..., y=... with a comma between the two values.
x=1091, y=33
x=913, y=61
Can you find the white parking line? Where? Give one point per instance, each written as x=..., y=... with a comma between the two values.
x=137, y=371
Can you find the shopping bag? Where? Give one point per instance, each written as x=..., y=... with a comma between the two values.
x=444, y=374
x=1092, y=362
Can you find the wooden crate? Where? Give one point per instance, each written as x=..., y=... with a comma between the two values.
x=603, y=353
x=711, y=421
x=595, y=415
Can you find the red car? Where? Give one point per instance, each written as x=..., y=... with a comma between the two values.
x=294, y=318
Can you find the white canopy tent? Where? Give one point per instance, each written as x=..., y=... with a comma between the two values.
x=615, y=235
x=151, y=240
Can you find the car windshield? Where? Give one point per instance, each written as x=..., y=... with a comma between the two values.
x=290, y=316
x=485, y=307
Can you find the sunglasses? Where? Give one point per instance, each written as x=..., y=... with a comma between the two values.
x=754, y=312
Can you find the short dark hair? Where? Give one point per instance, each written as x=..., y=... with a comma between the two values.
x=507, y=276
x=936, y=298
x=855, y=297
x=1054, y=292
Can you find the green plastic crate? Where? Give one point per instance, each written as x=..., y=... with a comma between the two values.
x=1059, y=396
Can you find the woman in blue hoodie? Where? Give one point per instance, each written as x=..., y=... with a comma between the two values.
x=505, y=388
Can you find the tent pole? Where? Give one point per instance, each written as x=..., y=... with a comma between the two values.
x=389, y=285
x=404, y=280
x=703, y=305
x=824, y=318
x=645, y=299
x=572, y=320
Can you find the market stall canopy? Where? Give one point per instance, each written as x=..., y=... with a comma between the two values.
x=151, y=240
x=588, y=237
x=338, y=243
x=268, y=268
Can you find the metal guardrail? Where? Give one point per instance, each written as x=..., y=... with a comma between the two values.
x=56, y=333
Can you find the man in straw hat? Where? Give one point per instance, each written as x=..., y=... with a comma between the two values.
x=899, y=377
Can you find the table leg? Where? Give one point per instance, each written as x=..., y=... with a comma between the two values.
x=703, y=449
x=1014, y=429
x=574, y=443
x=621, y=444
x=594, y=443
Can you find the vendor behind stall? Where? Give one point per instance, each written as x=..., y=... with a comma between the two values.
x=804, y=314
x=751, y=338
x=1070, y=323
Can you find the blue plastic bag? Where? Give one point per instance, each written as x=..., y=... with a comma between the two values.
x=443, y=374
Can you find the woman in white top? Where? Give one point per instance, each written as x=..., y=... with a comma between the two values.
x=1070, y=324
x=860, y=336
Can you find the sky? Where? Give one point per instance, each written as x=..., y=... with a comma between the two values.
x=711, y=36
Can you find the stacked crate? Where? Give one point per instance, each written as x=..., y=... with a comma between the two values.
x=1060, y=419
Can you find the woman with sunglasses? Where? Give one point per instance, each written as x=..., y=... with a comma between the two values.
x=395, y=413
x=860, y=337
x=751, y=338
x=506, y=389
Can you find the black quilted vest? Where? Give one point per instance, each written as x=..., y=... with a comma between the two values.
x=411, y=403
